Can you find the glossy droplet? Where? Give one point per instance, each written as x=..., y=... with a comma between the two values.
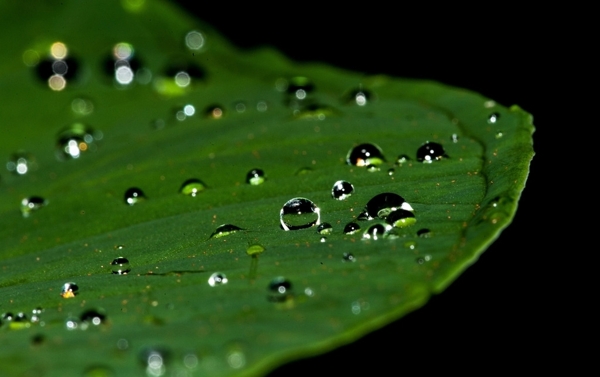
x=69, y=290
x=154, y=360
x=359, y=97
x=214, y=112
x=376, y=231
x=217, y=278
x=225, y=230
x=120, y=266
x=493, y=118
x=424, y=233
x=401, y=218
x=391, y=171
x=8, y=316
x=255, y=177
x=402, y=159
x=92, y=317
x=21, y=163
x=72, y=323
x=75, y=140
x=351, y=228
x=280, y=289
x=430, y=152
x=342, y=190
x=255, y=250
x=381, y=205
x=325, y=229
x=299, y=213
x=373, y=168
x=348, y=257
x=33, y=203
x=20, y=317
x=323, y=239
x=364, y=155
x=134, y=195
x=192, y=187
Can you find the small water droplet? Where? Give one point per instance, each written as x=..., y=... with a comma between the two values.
x=120, y=266
x=20, y=317
x=82, y=106
x=280, y=289
x=454, y=138
x=154, y=360
x=401, y=218
x=255, y=250
x=255, y=177
x=493, y=118
x=364, y=155
x=381, y=205
x=225, y=230
x=8, y=316
x=430, y=152
x=192, y=187
x=194, y=40
x=391, y=171
x=71, y=323
x=299, y=87
x=402, y=159
x=351, y=228
x=299, y=213
x=323, y=239
x=69, y=290
x=342, y=190
x=359, y=96
x=33, y=203
x=76, y=139
x=372, y=168
x=423, y=259
x=134, y=195
x=410, y=245
x=92, y=317
x=21, y=163
x=424, y=233
x=190, y=361
x=499, y=135
x=214, y=112
x=217, y=278
x=325, y=229
x=376, y=231
x=348, y=257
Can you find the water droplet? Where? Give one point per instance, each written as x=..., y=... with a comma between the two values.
x=430, y=152
x=342, y=190
x=325, y=229
x=120, y=266
x=499, y=135
x=381, y=205
x=20, y=317
x=8, y=316
x=391, y=171
x=71, y=323
x=194, y=40
x=424, y=233
x=410, y=245
x=359, y=97
x=376, y=231
x=255, y=177
x=122, y=344
x=192, y=187
x=323, y=239
x=401, y=218
x=225, y=230
x=351, y=228
x=421, y=260
x=33, y=203
x=154, y=360
x=69, y=290
x=190, y=361
x=134, y=195
x=299, y=87
x=214, y=112
x=236, y=358
x=348, y=257
x=21, y=163
x=82, y=106
x=454, y=138
x=299, y=213
x=280, y=289
x=240, y=107
x=217, y=278
x=74, y=140
x=92, y=317
x=255, y=250
x=365, y=154
x=402, y=159
x=372, y=168
x=262, y=106
x=493, y=118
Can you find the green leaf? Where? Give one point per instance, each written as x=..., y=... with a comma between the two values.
x=166, y=302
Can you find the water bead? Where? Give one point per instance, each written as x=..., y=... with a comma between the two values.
x=364, y=155
x=299, y=213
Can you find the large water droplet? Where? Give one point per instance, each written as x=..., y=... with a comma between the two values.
x=69, y=290
x=192, y=187
x=120, y=266
x=401, y=218
x=342, y=190
x=376, y=231
x=351, y=228
x=33, y=203
x=255, y=177
x=280, y=289
x=325, y=229
x=430, y=152
x=92, y=317
x=493, y=118
x=364, y=155
x=76, y=139
x=382, y=205
x=21, y=163
x=134, y=195
x=299, y=213
x=217, y=278
x=225, y=230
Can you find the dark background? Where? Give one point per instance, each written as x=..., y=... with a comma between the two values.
x=491, y=315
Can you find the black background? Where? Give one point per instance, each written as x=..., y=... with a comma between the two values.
x=490, y=318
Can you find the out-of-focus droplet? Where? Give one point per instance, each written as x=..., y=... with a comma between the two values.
x=255, y=177
x=216, y=279
x=194, y=40
x=280, y=289
x=82, y=106
x=424, y=233
x=32, y=203
x=493, y=118
x=155, y=360
x=21, y=163
x=348, y=257
x=76, y=139
x=134, y=195
x=92, y=317
x=214, y=112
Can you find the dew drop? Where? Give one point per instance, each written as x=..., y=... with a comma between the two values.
x=92, y=317
x=255, y=250
x=194, y=40
x=216, y=279
x=69, y=290
x=421, y=260
x=381, y=205
x=430, y=152
x=214, y=112
x=499, y=135
x=359, y=96
x=21, y=163
x=364, y=155
x=372, y=168
x=410, y=245
x=325, y=229
x=493, y=118
x=154, y=360
x=342, y=190
x=134, y=195
x=120, y=266
x=424, y=233
x=280, y=289
x=376, y=231
x=192, y=187
x=76, y=139
x=255, y=177
x=20, y=317
x=72, y=323
x=391, y=171
x=454, y=138
x=299, y=87
x=33, y=203
x=225, y=230
x=323, y=239
x=348, y=257
x=351, y=228
x=402, y=159
x=8, y=316
x=401, y=218
x=299, y=213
